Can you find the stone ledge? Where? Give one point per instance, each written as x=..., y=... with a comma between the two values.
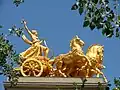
x=47, y=83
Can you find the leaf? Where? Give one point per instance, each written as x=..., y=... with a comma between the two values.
x=94, y=20
x=119, y=17
x=111, y=14
x=117, y=29
x=98, y=25
x=17, y=2
x=110, y=35
x=104, y=31
x=80, y=10
x=86, y=23
x=95, y=1
x=109, y=32
x=96, y=12
x=106, y=1
x=92, y=26
x=74, y=7
x=1, y=26
x=107, y=9
x=117, y=32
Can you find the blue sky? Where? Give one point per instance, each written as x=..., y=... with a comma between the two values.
x=55, y=22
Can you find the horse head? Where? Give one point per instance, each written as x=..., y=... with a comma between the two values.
x=95, y=53
x=76, y=43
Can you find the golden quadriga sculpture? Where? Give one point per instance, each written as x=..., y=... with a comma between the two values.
x=75, y=63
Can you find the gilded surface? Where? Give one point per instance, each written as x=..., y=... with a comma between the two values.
x=34, y=59
x=75, y=63
x=36, y=48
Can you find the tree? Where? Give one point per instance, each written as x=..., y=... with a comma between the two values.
x=98, y=14
x=8, y=58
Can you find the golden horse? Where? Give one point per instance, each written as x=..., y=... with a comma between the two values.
x=76, y=64
x=95, y=55
x=65, y=63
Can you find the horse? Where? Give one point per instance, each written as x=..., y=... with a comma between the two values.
x=76, y=44
x=76, y=63
x=65, y=63
x=95, y=55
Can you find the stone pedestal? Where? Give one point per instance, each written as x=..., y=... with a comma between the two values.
x=44, y=83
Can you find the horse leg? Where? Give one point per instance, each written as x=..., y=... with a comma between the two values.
x=64, y=67
x=96, y=72
x=87, y=72
x=84, y=66
x=98, y=75
x=102, y=74
x=63, y=74
x=88, y=69
x=59, y=66
x=88, y=61
x=69, y=72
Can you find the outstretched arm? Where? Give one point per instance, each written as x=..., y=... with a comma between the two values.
x=26, y=40
x=24, y=22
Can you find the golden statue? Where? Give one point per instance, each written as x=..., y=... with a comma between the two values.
x=77, y=44
x=76, y=64
x=95, y=55
x=67, y=63
x=36, y=48
x=35, y=61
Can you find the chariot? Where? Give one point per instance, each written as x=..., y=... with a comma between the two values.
x=75, y=63
x=37, y=66
x=34, y=60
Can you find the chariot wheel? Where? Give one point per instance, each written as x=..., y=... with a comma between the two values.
x=31, y=67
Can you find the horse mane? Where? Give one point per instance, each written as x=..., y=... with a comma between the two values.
x=71, y=42
x=89, y=51
x=93, y=45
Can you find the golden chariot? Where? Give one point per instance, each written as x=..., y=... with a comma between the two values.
x=75, y=63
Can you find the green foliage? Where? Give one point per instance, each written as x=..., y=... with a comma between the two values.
x=98, y=14
x=17, y=2
x=8, y=58
x=16, y=31
x=117, y=84
x=1, y=26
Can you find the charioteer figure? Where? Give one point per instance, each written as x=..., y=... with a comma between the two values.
x=36, y=49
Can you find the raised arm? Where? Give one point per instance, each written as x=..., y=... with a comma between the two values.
x=26, y=40
x=29, y=32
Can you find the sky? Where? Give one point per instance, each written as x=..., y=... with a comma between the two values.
x=55, y=22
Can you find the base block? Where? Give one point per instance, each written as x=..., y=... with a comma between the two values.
x=57, y=83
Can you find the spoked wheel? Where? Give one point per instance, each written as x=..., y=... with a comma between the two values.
x=31, y=67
